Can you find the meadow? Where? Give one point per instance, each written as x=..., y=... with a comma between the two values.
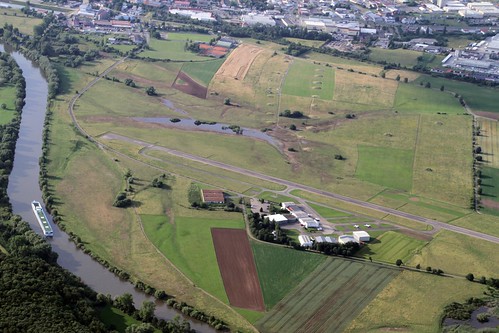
x=389, y=167
x=327, y=212
x=114, y=317
x=307, y=79
x=488, y=140
x=173, y=50
x=281, y=269
x=306, y=42
x=390, y=246
x=202, y=72
x=402, y=57
x=329, y=298
x=414, y=98
x=490, y=190
x=274, y=197
x=413, y=302
x=7, y=97
x=19, y=20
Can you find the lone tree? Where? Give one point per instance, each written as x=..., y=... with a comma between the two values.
x=227, y=101
x=398, y=262
x=442, y=88
x=470, y=277
x=151, y=91
x=292, y=127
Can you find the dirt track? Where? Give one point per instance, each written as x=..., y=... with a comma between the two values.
x=238, y=269
x=189, y=86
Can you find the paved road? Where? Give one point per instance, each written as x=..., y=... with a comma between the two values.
x=293, y=185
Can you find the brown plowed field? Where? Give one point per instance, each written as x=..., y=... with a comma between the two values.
x=239, y=62
x=238, y=269
x=189, y=86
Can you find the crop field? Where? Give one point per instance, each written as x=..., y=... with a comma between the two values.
x=489, y=142
x=188, y=244
x=414, y=98
x=170, y=49
x=202, y=71
x=490, y=188
x=239, y=62
x=406, y=58
x=459, y=254
x=7, y=97
x=238, y=269
x=364, y=89
x=329, y=299
x=391, y=246
x=413, y=302
x=385, y=166
x=443, y=160
x=281, y=269
x=327, y=212
x=306, y=79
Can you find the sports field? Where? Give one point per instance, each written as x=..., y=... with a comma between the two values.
x=238, y=269
x=307, y=79
x=281, y=269
x=385, y=166
x=329, y=299
x=489, y=142
x=391, y=246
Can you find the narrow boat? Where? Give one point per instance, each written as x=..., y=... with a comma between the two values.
x=42, y=219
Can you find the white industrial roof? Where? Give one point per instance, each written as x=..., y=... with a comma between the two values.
x=277, y=218
x=343, y=239
x=361, y=233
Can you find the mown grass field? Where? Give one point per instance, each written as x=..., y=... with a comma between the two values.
x=19, y=20
x=202, y=72
x=406, y=58
x=489, y=142
x=170, y=49
x=413, y=302
x=327, y=212
x=274, y=197
x=414, y=98
x=306, y=42
x=329, y=299
x=306, y=79
x=280, y=269
x=187, y=243
x=459, y=254
x=390, y=246
x=184, y=36
x=490, y=190
x=7, y=97
x=389, y=167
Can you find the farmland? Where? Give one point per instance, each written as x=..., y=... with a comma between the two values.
x=329, y=299
x=413, y=302
x=489, y=142
x=490, y=189
x=280, y=269
x=204, y=71
x=391, y=246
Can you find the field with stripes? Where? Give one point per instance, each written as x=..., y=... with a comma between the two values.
x=329, y=298
x=489, y=141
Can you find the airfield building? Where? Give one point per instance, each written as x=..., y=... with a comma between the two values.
x=305, y=240
x=343, y=239
x=213, y=196
x=361, y=236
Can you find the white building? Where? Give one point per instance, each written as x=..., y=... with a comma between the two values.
x=343, y=239
x=330, y=239
x=361, y=236
x=308, y=222
x=252, y=19
x=325, y=239
x=305, y=240
x=278, y=218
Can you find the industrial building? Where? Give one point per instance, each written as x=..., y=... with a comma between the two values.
x=305, y=240
x=325, y=239
x=281, y=219
x=361, y=236
x=343, y=239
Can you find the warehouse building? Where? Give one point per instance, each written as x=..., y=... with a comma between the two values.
x=361, y=236
x=305, y=240
x=343, y=239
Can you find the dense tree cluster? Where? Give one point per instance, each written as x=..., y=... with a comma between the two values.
x=336, y=249
x=267, y=231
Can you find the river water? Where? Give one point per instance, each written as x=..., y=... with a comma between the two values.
x=23, y=188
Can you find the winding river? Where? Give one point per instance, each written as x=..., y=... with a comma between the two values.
x=23, y=188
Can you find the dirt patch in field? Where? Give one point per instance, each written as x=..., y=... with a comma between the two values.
x=490, y=115
x=239, y=62
x=490, y=204
x=238, y=269
x=415, y=234
x=189, y=86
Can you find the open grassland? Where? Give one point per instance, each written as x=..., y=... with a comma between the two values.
x=185, y=36
x=385, y=166
x=202, y=72
x=327, y=212
x=114, y=317
x=490, y=190
x=306, y=42
x=417, y=99
x=160, y=75
x=7, y=97
x=274, y=197
x=443, y=159
x=459, y=254
x=480, y=222
x=393, y=73
x=364, y=89
x=329, y=299
x=170, y=49
x=404, y=58
x=344, y=63
x=478, y=98
x=112, y=233
x=413, y=302
x=281, y=269
x=390, y=246
x=306, y=79
x=489, y=142
x=19, y=20
x=187, y=243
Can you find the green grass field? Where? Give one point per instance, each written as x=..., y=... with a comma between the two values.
x=202, y=72
x=19, y=20
x=329, y=299
x=417, y=99
x=182, y=36
x=113, y=317
x=327, y=212
x=274, y=197
x=306, y=42
x=188, y=244
x=490, y=183
x=391, y=246
x=170, y=49
x=385, y=166
x=413, y=302
x=7, y=97
x=281, y=269
x=406, y=58
x=306, y=79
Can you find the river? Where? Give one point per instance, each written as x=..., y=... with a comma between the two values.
x=23, y=188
